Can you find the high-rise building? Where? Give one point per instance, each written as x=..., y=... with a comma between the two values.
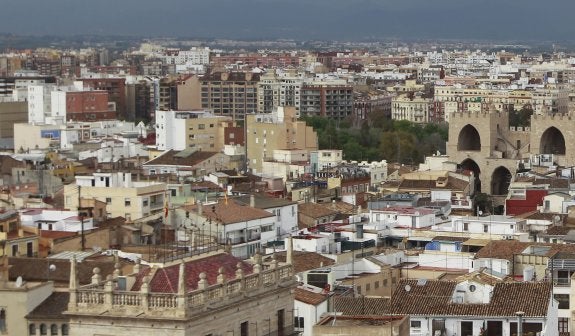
x=231, y=94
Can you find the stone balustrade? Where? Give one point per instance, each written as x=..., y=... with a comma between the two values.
x=103, y=296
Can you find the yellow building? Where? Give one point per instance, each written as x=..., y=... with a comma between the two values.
x=123, y=197
x=278, y=130
x=16, y=241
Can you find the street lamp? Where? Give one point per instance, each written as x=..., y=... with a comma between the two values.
x=520, y=315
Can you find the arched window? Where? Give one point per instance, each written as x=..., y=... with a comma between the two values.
x=53, y=330
x=32, y=329
x=64, y=329
x=43, y=329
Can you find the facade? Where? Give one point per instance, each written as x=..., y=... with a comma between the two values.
x=279, y=90
x=123, y=197
x=280, y=130
x=16, y=241
x=244, y=228
x=230, y=94
x=412, y=108
x=212, y=293
x=326, y=99
x=198, y=130
x=18, y=300
x=116, y=88
x=11, y=113
x=89, y=106
x=189, y=162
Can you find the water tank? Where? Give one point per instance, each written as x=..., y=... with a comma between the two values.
x=529, y=273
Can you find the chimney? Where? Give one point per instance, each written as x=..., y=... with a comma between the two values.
x=359, y=231
x=289, y=247
x=252, y=200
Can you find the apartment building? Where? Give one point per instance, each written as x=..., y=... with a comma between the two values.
x=414, y=108
x=123, y=197
x=16, y=241
x=230, y=94
x=279, y=90
x=278, y=130
x=200, y=130
x=332, y=99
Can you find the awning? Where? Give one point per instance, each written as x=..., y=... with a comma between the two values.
x=476, y=242
x=420, y=238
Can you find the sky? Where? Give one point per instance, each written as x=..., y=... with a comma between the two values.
x=509, y=20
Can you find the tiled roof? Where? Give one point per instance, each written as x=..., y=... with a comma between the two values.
x=362, y=305
x=263, y=201
x=52, y=308
x=434, y=298
x=229, y=212
x=165, y=280
x=36, y=269
x=309, y=297
x=169, y=158
x=558, y=230
x=554, y=183
x=56, y=234
x=305, y=261
x=315, y=210
x=506, y=249
x=452, y=183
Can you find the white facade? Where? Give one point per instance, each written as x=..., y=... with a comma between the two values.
x=311, y=314
x=39, y=102
x=55, y=220
x=493, y=224
x=406, y=217
x=377, y=171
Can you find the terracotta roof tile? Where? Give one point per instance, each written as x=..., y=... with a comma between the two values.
x=229, y=212
x=315, y=210
x=165, y=280
x=305, y=261
x=434, y=298
x=505, y=249
x=309, y=297
x=169, y=158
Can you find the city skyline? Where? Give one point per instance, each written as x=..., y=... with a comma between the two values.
x=297, y=19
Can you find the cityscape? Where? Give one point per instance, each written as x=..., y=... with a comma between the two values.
x=217, y=169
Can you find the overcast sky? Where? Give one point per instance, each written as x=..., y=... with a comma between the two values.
x=300, y=19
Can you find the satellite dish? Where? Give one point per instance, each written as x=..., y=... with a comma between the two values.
x=19, y=282
x=407, y=288
x=52, y=267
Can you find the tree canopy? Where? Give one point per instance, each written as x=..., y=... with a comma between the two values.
x=395, y=141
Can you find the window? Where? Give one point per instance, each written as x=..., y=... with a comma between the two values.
x=32, y=329
x=298, y=322
x=43, y=329
x=367, y=287
x=53, y=330
x=415, y=324
x=127, y=202
x=244, y=329
x=201, y=126
x=145, y=202
x=108, y=200
x=281, y=322
x=485, y=228
x=358, y=289
x=376, y=285
x=563, y=324
x=3, y=320
x=465, y=226
x=14, y=250
x=65, y=329
x=563, y=300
